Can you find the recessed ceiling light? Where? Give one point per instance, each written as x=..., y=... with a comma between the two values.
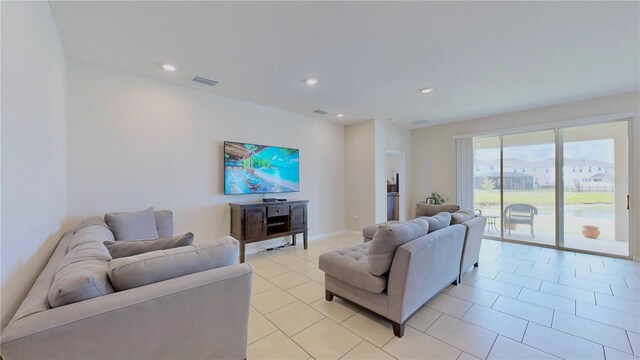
x=311, y=81
x=426, y=90
x=340, y=115
x=169, y=67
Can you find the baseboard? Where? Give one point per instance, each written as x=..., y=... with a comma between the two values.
x=263, y=245
x=335, y=233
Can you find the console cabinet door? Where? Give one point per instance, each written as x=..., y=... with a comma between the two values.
x=298, y=217
x=255, y=223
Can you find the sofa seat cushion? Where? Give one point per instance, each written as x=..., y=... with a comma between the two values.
x=387, y=240
x=155, y=266
x=351, y=265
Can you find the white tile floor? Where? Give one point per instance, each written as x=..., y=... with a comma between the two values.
x=523, y=302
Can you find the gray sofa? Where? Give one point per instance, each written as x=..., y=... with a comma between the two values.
x=196, y=316
x=422, y=264
x=473, y=235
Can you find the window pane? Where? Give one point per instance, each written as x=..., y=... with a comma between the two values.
x=595, y=213
x=486, y=181
x=529, y=187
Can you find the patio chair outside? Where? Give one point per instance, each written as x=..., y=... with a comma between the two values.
x=519, y=214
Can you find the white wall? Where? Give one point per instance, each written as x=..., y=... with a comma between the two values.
x=366, y=149
x=360, y=175
x=434, y=148
x=34, y=195
x=135, y=143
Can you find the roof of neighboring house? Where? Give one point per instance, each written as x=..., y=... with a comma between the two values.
x=543, y=163
x=506, y=175
x=602, y=176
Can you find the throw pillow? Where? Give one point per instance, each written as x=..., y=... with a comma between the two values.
x=437, y=222
x=137, y=225
x=461, y=216
x=152, y=267
x=388, y=238
x=119, y=249
x=164, y=223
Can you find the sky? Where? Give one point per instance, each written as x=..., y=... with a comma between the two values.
x=600, y=150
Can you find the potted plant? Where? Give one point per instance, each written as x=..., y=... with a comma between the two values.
x=437, y=199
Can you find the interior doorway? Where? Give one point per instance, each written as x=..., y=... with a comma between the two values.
x=395, y=182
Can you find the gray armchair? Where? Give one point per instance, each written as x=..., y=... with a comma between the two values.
x=519, y=214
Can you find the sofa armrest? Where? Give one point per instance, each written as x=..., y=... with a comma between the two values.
x=421, y=268
x=472, y=242
x=201, y=315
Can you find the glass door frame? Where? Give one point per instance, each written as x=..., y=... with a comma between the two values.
x=560, y=189
x=559, y=186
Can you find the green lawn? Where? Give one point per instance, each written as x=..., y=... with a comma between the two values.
x=541, y=197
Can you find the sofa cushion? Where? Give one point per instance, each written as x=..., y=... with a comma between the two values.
x=461, y=216
x=388, y=238
x=136, y=225
x=369, y=231
x=423, y=209
x=164, y=223
x=152, y=267
x=82, y=273
x=351, y=265
x=95, y=220
x=123, y=248
x=437, y=222
x=91, y=235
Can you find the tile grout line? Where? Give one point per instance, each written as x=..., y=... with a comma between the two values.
x=348, y=351
x=494, y=344
x=518, y=267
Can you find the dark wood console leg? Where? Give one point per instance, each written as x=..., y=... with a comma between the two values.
x=293, y=239
x=398, y=329
x=304, y=239
x=476, y=264
x=241, y=251
x=328, y=295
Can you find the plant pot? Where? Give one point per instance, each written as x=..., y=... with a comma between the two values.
x=590, y=231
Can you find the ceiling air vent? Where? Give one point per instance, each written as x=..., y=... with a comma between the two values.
x=321, y=112
x=205, y=81
x=421, y=122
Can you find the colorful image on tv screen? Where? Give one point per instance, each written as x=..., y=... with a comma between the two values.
x=256, y=169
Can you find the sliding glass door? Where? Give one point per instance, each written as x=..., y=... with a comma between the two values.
x=486, y=182
x=529, y=196
x=595, y=215
x=519, y=189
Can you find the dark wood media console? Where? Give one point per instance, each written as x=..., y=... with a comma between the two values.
x=258, y=221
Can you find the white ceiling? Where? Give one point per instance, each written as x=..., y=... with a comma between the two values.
x=482, y=58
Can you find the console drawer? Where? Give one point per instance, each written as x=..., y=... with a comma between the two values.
x=277, y=210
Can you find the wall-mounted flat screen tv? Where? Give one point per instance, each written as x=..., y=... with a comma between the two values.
x=260, y=169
